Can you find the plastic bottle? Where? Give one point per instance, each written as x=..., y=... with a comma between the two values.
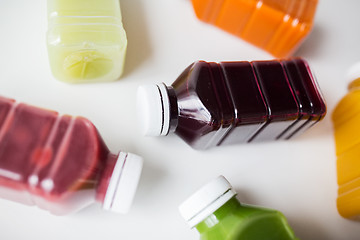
x=217, y=215
x=213, y=104
x=346, y=119
x=86, y=40
x=60, y=163
x=277, y=26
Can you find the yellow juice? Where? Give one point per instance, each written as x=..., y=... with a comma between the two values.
x=346, y=121
x=86, y=40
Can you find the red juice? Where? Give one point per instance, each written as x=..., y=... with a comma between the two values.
x=60, y=163
x=222, y=103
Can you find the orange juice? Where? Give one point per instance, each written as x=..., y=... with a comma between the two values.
x=277, y=26
x=346, y=121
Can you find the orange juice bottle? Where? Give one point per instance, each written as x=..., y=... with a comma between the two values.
x=277, y=26
x=346, y=121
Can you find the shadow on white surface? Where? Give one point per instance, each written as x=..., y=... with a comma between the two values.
x=306, y=228
x=151, y=176
x=312, y=45
x=138, y=49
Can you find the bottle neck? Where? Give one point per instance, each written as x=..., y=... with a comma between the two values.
x=173, y=109
x=219, y=215
x=105, y=176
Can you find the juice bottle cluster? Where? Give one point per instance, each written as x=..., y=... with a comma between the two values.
x=86, y=40
x=60, y=163
x=346, y=118
x=277, y=26
x=216, y=214
x=212, y=104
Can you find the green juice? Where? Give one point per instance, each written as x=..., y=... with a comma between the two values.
x=86, y=40
x=217, y=215
x=235, y=221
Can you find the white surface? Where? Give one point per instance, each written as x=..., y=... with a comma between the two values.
x=206, y=200
x=297, y=177
x=123, y=183
x=353, y=72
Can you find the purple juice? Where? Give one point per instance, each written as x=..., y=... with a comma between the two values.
x=214, y=104
x=311, y=105
x=250, y=109
x=283, y=109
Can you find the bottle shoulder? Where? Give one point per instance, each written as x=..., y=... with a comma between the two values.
x=250, y=222
x=197, y=94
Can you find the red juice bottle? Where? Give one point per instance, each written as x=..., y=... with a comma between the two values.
x=60, y=163
x=213, y=104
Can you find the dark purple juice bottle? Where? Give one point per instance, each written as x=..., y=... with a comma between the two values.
x=311, y=104
x=213, y=104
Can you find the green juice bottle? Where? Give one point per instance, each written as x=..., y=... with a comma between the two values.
x=86, y=40
x=217, y=215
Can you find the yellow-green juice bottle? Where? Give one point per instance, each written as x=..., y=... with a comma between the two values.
x=86, y=40
x=217, y=215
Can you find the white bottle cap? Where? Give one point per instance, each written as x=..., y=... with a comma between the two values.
x=153, y=109
x=206, y=201
x=123, y=183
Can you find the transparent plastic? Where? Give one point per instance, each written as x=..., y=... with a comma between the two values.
x=86, y=40
x=277, y=26
x=346, y=118
x=222, y=103
x=59, y=163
